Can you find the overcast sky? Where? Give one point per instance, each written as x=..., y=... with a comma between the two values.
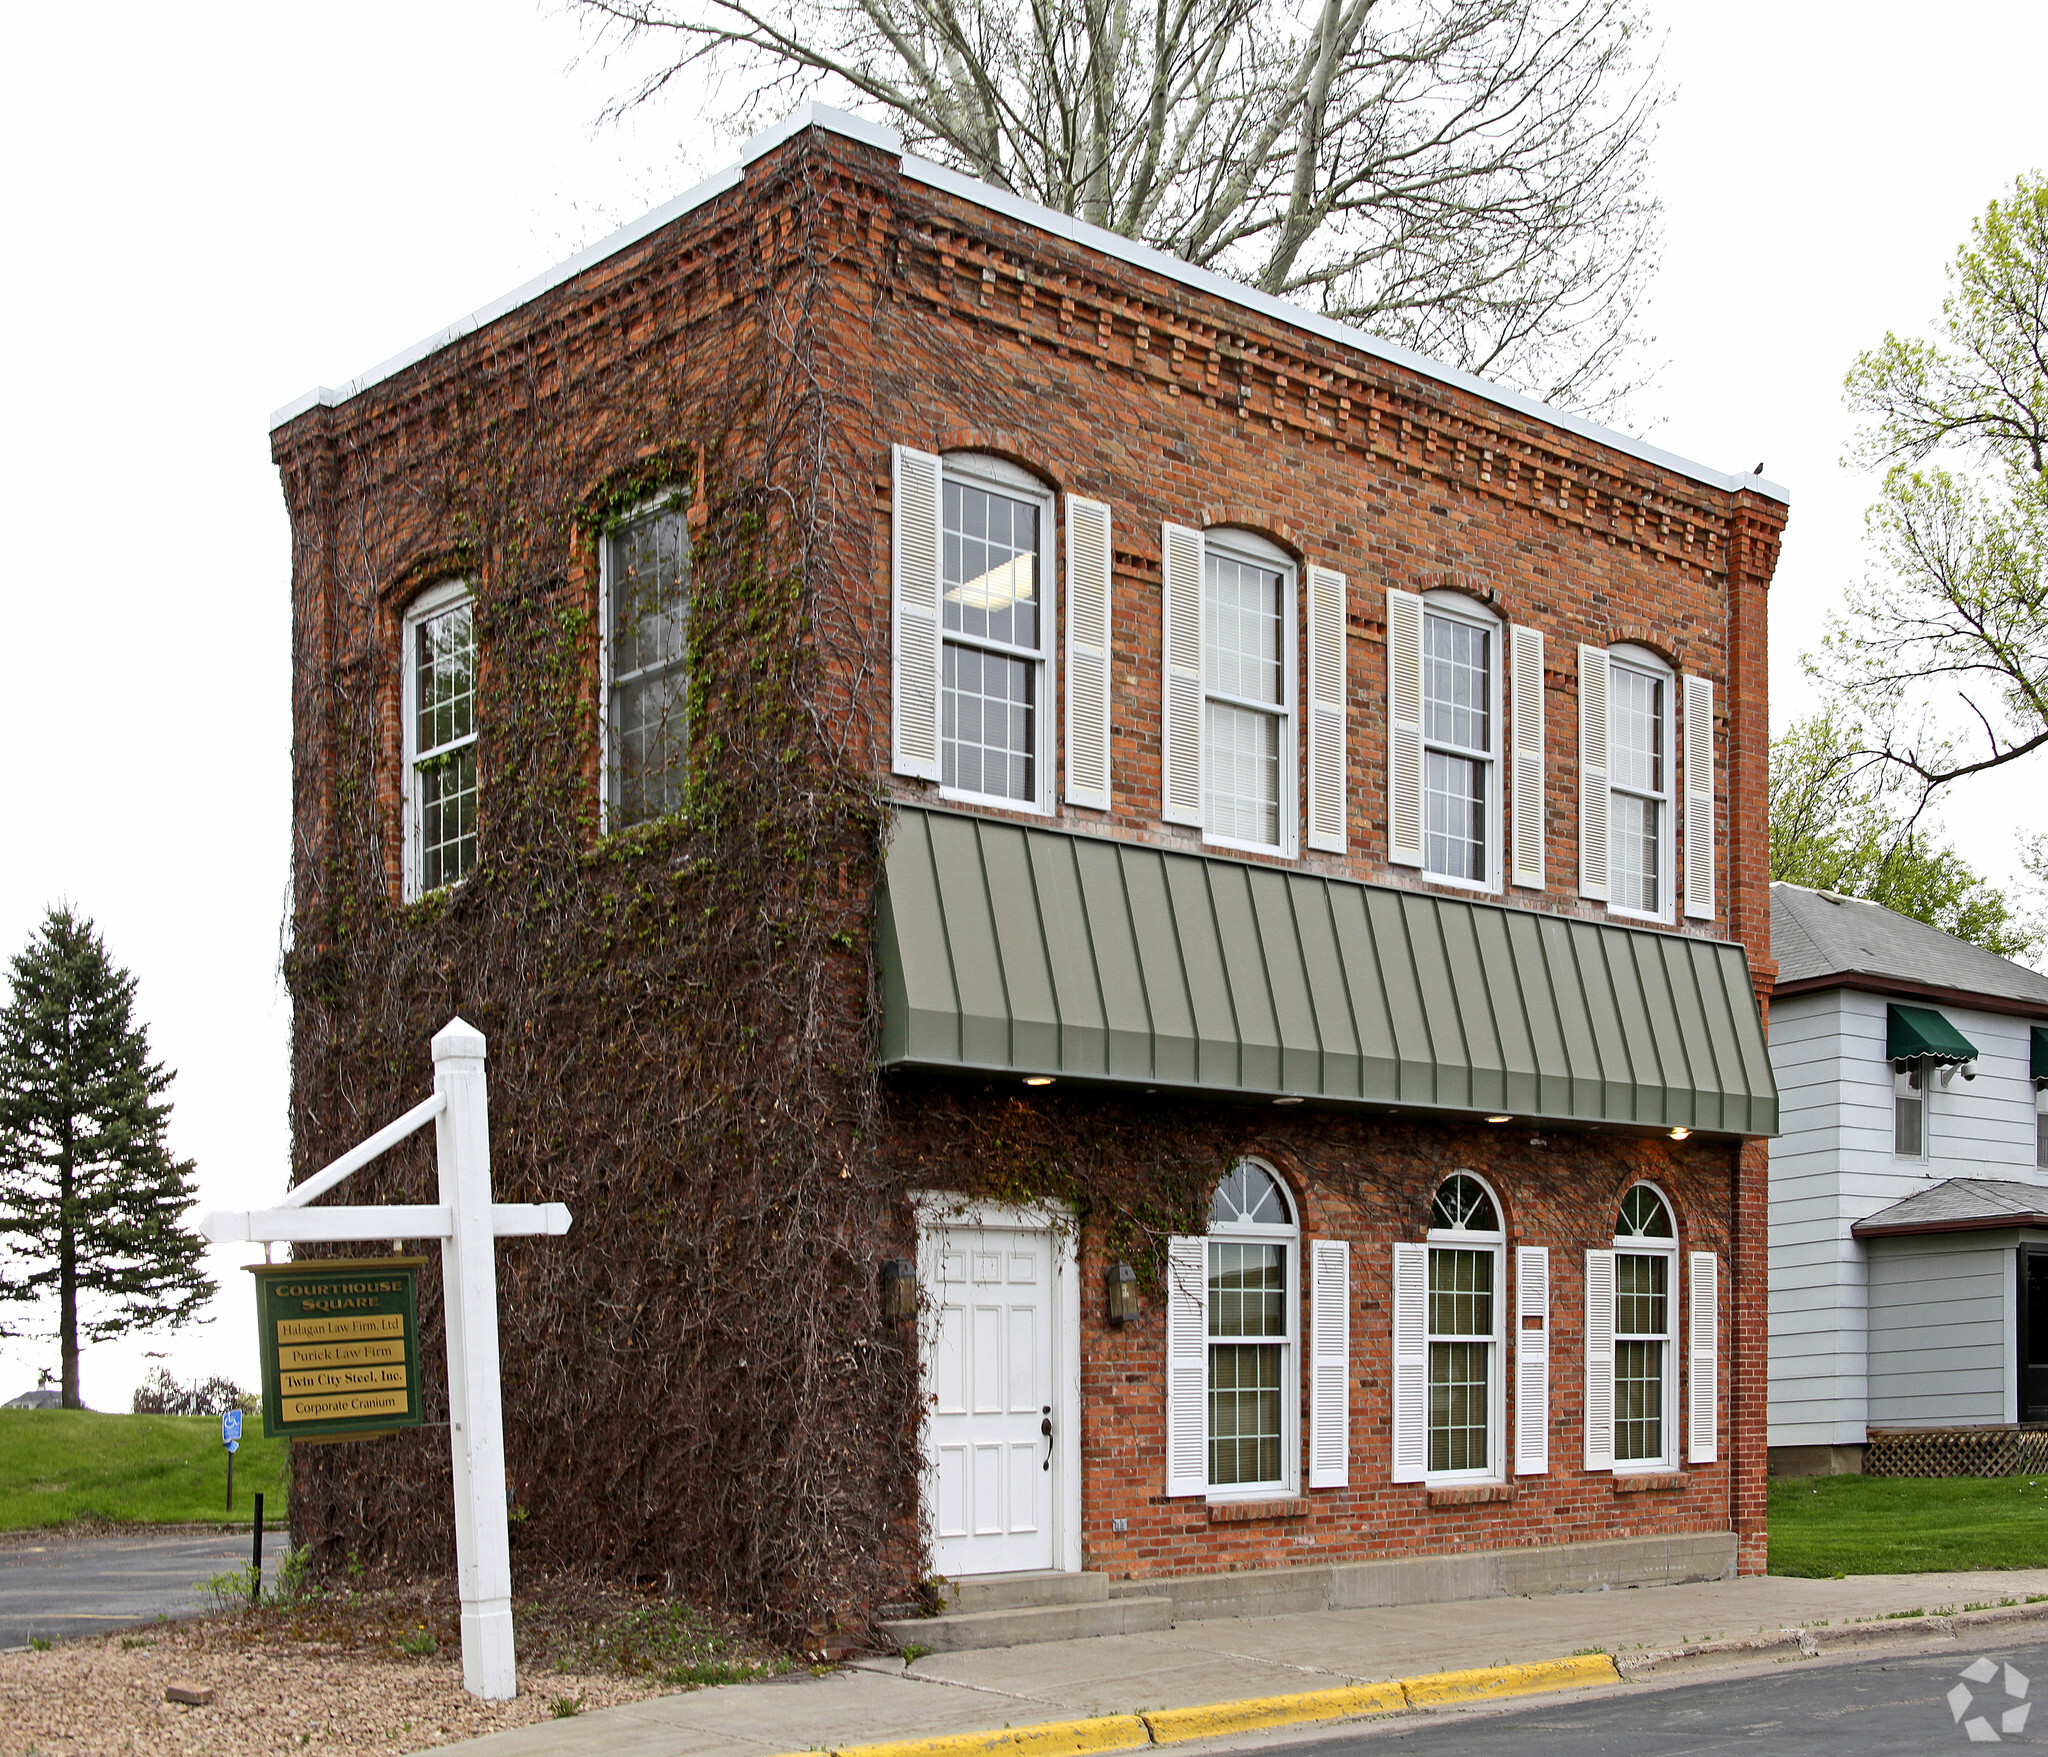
x=211, y=210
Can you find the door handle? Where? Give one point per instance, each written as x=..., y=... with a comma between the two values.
x=1045, y=1428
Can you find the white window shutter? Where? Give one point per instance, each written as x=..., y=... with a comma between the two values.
x=1088, y=625
x=1411, y=1362
x=1404, y=728
x=1326, y=715
x=1525, y=664
x=1329, y=1351
x=1703, y=1359
x=1180, y=570
x=1187, y=1366
x=1599, y=1360
x=1593, y=773
x=1699, y=798
x=1532, y=1360
x=914, y=558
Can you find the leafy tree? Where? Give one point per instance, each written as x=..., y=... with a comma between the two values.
x=90, y=1192
x=1464, y=176
x=1843, y=820
x=1944, y=648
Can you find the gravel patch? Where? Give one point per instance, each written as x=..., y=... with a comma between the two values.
x=327, y=1676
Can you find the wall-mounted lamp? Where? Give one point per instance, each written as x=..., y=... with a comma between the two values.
x=1123, y=1293
x=1038, y=1079
x=899, y=1292
x=1500, y=1119
x=1680, y=1134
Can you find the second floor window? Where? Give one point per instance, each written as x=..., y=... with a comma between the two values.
x=992, y=689
x=1639, y=786
x=440, y=740
x=1458, y=789
x=647, y=630
x=1245, y=678
x=1909, y=1109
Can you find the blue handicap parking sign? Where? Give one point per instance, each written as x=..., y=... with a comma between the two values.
x=230, y=1427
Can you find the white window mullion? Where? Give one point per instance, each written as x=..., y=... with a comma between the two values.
x=1329, y=1446
x=1699, y=798
x=1181, y=730
x=1525, y=668
x=1599, y=1343
x=914, y=561
x=1327, y=731
x=1593, y=770
x=1532, y=1360
x=1404, y=728
x=1088, y=653
x=1187, y=1366
x=1411, y=1363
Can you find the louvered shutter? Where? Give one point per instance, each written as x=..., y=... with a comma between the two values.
x=1404, y=728
x=914, y=559
x=1699, y=798
x=1181, y=722
x=1599, y=1360
x=1525, y=664
x=1593, y=773
x=1187, y=1366
x=1411, y=1362
x=1329, y=1371
x=1703, y=1358
x=1532, y=1360
x=1326, y=705
x=1088, y=625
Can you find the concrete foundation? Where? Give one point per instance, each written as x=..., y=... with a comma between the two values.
x=1817, y=1460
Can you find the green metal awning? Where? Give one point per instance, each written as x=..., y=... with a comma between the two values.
x=1913, y=1032
x=1018, y=950
x=2039, y=1068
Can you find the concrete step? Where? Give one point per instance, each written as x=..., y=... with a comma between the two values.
x=960, y=1631
x=1026, y=1591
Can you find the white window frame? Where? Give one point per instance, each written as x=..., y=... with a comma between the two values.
x=1667, y=1460
x=1457, y=607
x=996, y=475
x=1289, y=1237
x=675, y=500
x=1629, y=657
x=431, y=603
x=2040, y=1125
x=1494, y=1244
x=1922, y=1068
x=1256, y=551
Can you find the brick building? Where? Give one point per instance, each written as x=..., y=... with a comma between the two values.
x=1279, y=742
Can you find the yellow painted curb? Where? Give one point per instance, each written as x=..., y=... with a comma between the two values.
x=1059, y=1738
x=1170, y=1725
x=1440, y=1688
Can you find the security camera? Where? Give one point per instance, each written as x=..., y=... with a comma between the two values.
x=1969, y=1070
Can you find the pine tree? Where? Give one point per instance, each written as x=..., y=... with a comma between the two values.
x=90, y=1192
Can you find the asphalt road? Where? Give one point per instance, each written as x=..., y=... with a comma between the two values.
x=86, y=1586
x=1873, y=1708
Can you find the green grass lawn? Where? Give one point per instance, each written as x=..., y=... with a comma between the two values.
x=1822, y=1526
x=57, y=1465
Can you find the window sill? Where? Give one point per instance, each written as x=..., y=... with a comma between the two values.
x=1637, y=1482
x=1475, y=1494
x=1245, y=1512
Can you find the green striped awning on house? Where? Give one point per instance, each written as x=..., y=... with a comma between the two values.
x=1018, y=950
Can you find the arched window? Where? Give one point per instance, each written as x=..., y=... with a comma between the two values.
x=1247, y=692
x=1465, y=1287
x=1252, y=1247
x=1639, y=765
x=1645, y=1291
x=1461, y=791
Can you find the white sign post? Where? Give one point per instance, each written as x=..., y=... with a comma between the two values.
x=468, y=1224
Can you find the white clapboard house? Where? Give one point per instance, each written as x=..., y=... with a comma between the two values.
x=1909, y=1192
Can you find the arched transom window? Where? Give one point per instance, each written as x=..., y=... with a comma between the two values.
x=1465, y=1282
x=1251, y=1401
x=1645, y=1277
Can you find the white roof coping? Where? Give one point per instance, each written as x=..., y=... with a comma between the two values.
x=1044, y=219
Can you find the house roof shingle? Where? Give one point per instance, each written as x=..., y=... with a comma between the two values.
x=1816, y=935
x=1960, y=1204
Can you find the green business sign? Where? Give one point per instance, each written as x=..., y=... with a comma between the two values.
x=341, y=1346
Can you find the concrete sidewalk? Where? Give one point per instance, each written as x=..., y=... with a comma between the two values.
x=1646, y=1629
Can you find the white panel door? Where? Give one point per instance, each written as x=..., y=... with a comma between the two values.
x=992, y=1465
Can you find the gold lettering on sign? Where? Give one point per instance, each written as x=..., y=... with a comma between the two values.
x=344, y=1379
x=339, y=1354
x=339, y=1329
x=341, y=1406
